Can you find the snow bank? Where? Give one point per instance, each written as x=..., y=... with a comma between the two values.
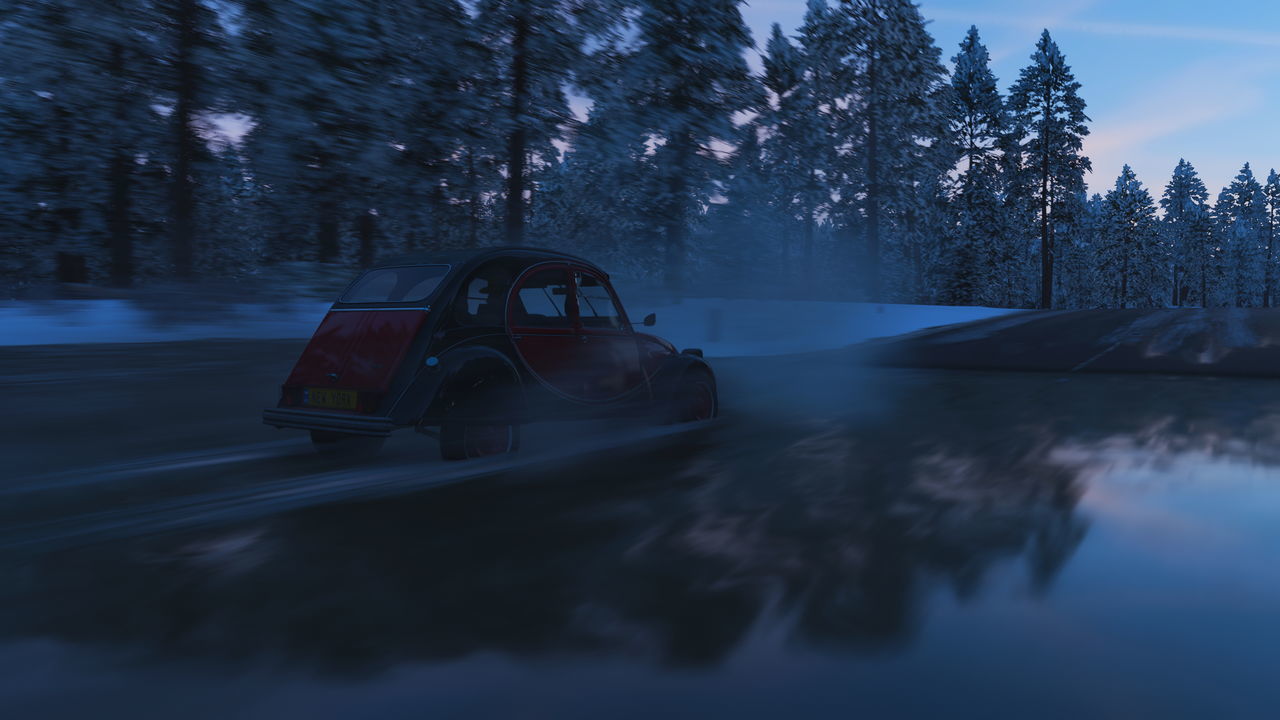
x=720, y=327
x=61, y=322
x=728, y=328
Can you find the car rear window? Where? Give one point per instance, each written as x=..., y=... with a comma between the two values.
x=410, y=283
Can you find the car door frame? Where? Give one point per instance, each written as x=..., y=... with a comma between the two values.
x=642, y=389
x=517, y=332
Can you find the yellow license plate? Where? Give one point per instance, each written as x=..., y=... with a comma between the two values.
x=336, y=399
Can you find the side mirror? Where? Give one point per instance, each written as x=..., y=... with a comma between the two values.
x=650, y=320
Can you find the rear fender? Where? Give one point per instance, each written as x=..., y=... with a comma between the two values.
x=439, y=387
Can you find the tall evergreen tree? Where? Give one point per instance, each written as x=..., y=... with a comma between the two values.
x=539, y=44
x=1186, y=231
x=686, y=78
x=1132, y=253
x=896, y=129
x=77, y=83
x=1046, y=103
x=1081, y=282
x=1239, y=217
x=1271, y=199
x=796, y=148
x=976, y=118
x=325, y=131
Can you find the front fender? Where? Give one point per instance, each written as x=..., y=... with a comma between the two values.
x=669, y=374
x=435, y=386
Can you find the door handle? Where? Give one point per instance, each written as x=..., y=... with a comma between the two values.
x=582, y=338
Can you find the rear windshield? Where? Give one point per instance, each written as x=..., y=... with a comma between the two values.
x=411, y=283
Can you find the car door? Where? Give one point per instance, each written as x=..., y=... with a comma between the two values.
x=541, y=318
x=609, y=356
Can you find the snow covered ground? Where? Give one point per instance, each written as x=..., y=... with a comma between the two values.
x=722, y=328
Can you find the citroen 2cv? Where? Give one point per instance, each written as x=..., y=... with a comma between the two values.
x=469, y=346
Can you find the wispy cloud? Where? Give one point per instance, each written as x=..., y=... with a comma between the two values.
x=1062, y=21
x=1197, y=96
x=1061, y=13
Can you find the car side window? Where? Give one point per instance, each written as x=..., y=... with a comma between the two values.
x=483, y=297
x=543, y=300
x=595, y=304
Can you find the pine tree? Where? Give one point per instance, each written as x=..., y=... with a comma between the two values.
x=685, y=79
x=896, y=130
x=1046, y=103
x=1187, y=233
x=1080, y=280
x=1131, y=252
x=976, y=117
x=451, y=157
x=1271, y=199
x=1239, y=217
x=796, y=148
x=539, y=46
x=326, y=110
x=76, y=82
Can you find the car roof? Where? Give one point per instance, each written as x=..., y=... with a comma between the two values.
x=465, y=259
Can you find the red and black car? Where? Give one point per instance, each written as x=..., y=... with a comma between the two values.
x=471, y=345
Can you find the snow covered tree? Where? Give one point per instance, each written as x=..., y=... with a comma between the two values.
x=976, y=118
x=538, y=45
x=895, y=132
x=1186, y=231
x=327, y=111
x=1081, y=283
x=1046, y=104
x=450, y=149
x=77, y=86
x=1131, y=253
x=796, y=149
x=685, y=78
x=1239, y=217
x=1271, y=199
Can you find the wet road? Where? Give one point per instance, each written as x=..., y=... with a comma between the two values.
x=844, y=541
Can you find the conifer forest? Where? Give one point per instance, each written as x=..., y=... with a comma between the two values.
x=856, y=157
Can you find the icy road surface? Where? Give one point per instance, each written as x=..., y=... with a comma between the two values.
x=843, y=542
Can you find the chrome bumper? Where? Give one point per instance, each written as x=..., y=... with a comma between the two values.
x=335, y=422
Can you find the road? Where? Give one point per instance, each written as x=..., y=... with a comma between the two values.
x=844, y=540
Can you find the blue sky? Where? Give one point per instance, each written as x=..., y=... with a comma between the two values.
x=1163, y=79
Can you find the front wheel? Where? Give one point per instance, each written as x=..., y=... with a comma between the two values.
x=694, y=399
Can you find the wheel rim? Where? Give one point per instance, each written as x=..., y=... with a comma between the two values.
x=483, y=440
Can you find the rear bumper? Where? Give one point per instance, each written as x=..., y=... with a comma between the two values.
x=335, y=422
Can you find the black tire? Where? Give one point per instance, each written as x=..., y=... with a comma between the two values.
x=327, y=442
x=694, y=399
x=463, y=438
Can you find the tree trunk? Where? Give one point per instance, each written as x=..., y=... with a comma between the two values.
x=1046, y=241
x=677, y=190
x=876, y=284
x=119, y=210
x=366, y=230
x=1204, y=276
x=473, y=201
x=1124, y=282
x=1271, y=239
x=327, y=235
x=186, y=141
x=518, y=140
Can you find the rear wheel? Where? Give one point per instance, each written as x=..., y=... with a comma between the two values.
x=470, y=430
x=695, y=399
x=327, y=442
